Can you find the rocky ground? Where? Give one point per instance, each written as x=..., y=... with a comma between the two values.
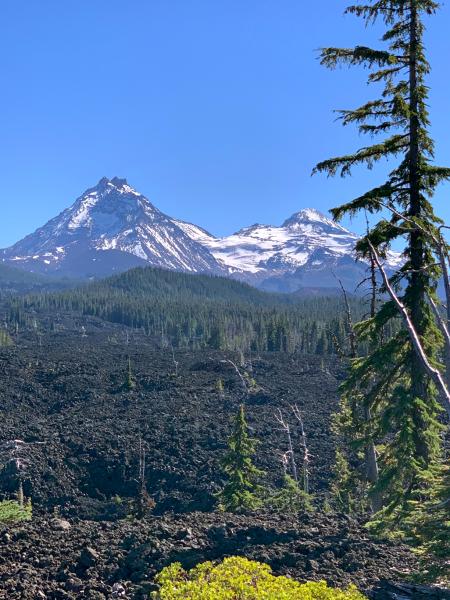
x=74, y=435
x=72, y=432
x=67, y=559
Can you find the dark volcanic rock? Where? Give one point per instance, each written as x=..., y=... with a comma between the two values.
x=398, y=591
x=70, y=432
x=74, y=431
x=95, y=560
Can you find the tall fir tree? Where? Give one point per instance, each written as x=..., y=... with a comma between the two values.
x=396, y=390
x=242, y=491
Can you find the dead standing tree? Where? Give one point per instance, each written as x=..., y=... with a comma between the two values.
x=175, y=362
x=243, y=381
x=370, y=452
x=145, y=502
x=306, y=454
x=289, y=456
x=16, y=456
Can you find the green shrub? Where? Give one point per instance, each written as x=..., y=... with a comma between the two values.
x=5, y=339
x=290, y=498
x=11, y=512
x=238, y=578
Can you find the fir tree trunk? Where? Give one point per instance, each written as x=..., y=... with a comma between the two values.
x=376, y=498
x=445, y=273
x=372, y=474
x=447, y=352
x=417, y=280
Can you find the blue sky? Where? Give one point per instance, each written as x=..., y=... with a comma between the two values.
x=215, y=110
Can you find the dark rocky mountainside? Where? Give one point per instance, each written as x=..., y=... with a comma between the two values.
x=18, y=281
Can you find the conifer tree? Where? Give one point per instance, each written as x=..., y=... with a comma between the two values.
x=5, y=339
x=220, y=387
x=242, y=491
x=429, y=526
x=129, y=380
x=397, y=390
x=291, y=498
x=343, y=486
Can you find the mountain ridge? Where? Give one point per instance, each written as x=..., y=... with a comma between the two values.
x=112, y=227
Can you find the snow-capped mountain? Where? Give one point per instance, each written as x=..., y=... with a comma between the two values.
x=307, y=250
x=263, y=249
x=112, y=227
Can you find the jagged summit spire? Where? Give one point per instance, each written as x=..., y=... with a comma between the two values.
x=118, y=182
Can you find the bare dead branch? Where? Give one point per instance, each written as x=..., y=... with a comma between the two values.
x=236, y=368
x=284, y=458
x=351, y=329
x=306, y=455
x=286, y=428
x=434, y=373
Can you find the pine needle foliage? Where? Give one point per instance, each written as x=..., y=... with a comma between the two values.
x=343, y=486
x=5, y=339
x=237, y=577
x=242, y=491
x=291, y=498
x=390, y=379
x=12, y=512
x=429, y=527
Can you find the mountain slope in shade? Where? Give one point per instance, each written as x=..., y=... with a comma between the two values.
x=111, y=227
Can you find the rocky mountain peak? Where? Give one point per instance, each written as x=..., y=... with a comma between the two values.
x=119, y=182
x=312, y=216
x=110, y=227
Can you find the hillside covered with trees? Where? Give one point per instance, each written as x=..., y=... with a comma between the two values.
x=187, y=311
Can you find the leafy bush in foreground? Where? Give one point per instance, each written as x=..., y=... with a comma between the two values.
x=238, y=578
x=11, y=512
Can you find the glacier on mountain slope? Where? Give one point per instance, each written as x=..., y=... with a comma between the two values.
x=261, y=250
x=112, y=227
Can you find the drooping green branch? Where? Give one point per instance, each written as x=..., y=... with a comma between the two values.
x=365, y=156
x=361, y=55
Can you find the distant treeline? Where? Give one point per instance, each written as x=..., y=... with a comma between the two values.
x=197, y=311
